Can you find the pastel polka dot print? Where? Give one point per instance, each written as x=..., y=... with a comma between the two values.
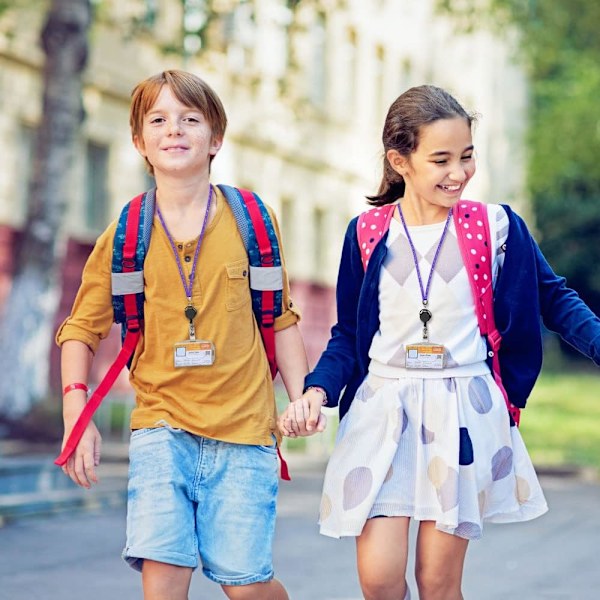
x=436, y=449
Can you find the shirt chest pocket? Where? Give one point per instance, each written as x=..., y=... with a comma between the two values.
x=237, y=292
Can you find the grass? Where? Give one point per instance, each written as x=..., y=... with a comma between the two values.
x=561, y=424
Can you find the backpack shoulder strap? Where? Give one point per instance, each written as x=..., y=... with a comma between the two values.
x=128, y=285
x=371, y=227
x=266, y=273
x=473, y=234
x=129, y=254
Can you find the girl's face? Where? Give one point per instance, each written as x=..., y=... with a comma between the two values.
x=438, y=170
x=175, y=138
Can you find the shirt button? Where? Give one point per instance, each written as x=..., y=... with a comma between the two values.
x=188, y=258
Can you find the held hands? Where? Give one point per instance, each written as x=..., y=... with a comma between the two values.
x=303, y=417
x=81, y=465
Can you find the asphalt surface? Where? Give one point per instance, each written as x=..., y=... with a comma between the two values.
x=70, y=556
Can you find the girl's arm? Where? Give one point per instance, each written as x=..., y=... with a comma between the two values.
x=564, y=312
x=339, y=360
x=76, y=361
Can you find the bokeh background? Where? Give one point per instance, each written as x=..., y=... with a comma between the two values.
x=306, y=85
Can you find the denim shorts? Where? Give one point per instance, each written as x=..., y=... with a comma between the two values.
x=191, y=496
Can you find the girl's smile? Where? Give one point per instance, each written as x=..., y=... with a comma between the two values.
x=437, y=171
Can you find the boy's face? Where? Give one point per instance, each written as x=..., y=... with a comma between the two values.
x=176, y=139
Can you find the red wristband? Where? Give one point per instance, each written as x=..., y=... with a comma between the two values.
x=75, y=386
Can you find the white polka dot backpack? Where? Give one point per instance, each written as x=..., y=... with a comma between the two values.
x=473, y=232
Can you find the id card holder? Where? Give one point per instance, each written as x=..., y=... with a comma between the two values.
x=194, y=353
x=425, y=355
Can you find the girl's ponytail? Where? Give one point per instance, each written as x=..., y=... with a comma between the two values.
x=391, y=188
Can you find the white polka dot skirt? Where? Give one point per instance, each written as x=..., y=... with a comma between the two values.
x=432, y=449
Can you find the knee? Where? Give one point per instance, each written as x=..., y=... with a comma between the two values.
x=377, y=586
x=437, y=585
x=272, y=590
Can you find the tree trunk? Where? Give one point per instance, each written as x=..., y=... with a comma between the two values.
x=28, y=315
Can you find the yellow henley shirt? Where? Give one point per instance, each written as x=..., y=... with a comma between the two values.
x=233, y=399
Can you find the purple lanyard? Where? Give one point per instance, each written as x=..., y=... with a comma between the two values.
x=188, y=287
x=425, y=314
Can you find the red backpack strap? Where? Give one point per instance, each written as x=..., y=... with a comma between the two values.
x=267, y=316
x=473, y=234
x=132, y=336
x=371, y=227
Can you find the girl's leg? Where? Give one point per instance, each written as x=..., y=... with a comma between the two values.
x=162, y=581
x=439, y=563
x=272, y=590
x=381, y=553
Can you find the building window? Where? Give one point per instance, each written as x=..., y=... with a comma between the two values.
x=96, y=205
x=318, y=72
x=379, y=100
x=349, y=66
x=319, y=243
x=286, y=222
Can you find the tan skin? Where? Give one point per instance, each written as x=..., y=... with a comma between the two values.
x=177, y=141
x=435, y=174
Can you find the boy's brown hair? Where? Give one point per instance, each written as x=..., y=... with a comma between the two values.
x=188, y=89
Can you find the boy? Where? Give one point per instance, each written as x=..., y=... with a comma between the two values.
x=203, y=458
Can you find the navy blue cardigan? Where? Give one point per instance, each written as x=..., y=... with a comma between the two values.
x=526, y=290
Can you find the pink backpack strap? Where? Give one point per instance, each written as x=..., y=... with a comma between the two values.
x=371, y=227
x=473, y=233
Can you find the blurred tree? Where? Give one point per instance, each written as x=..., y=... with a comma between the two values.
x=30, y=307
x=26, y=323
x=559, y=46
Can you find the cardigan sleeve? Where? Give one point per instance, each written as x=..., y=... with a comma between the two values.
x=564, y=312
x=338, y=361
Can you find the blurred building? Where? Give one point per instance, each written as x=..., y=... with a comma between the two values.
x=306, y=85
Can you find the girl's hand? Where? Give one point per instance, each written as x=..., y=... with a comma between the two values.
x=303, y=417
x=81, y=466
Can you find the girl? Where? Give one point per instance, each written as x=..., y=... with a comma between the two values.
x=428, y=436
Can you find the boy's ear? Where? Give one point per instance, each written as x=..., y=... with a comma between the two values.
x=398, y=161
x=139, y=145
x=215, y=146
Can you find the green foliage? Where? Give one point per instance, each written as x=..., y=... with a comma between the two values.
x=560, y=49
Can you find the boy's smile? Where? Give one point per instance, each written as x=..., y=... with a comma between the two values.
x=176, y=138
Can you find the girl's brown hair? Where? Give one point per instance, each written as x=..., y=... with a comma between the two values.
x=188, y=89
x=415, y=108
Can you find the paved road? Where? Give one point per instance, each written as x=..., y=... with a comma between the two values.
x=74, y=556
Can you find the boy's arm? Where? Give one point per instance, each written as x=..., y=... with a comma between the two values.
x=302, y=416
x=76, y=360
x=291, y=359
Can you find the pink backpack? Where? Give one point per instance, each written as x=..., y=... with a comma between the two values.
x=473, y=233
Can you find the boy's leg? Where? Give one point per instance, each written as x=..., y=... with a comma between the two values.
x=165, y=582
x=382, y=553
x=439, y=563
x=272, y=590
x=235, y=518
x=161, y=524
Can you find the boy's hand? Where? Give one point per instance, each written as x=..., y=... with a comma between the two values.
x=303, y=417
x=81, y=466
